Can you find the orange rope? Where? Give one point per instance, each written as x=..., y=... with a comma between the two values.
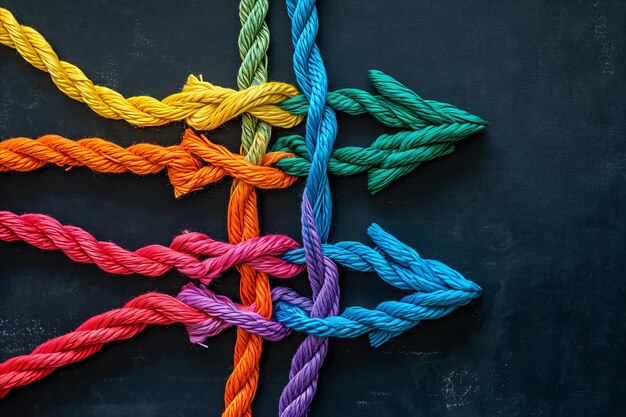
x=243, y=224
x=184, y=162
x=243, y=216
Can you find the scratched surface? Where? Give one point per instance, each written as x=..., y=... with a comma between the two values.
x=532, y=209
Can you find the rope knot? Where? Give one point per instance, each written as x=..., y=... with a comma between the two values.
x=224, y=313
x=221, y=162
x=436, y=290
x=210, y=106
x=260, y=252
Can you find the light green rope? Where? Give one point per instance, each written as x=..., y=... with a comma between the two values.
x=254, y=40
x=243, y=222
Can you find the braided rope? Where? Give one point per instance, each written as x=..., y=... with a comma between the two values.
x=205, y=106
x=321, y=130
x=243, y=217
x=190, y=166
x=436, y=291
x=198, y=256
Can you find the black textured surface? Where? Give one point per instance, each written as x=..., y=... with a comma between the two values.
x=532, y=209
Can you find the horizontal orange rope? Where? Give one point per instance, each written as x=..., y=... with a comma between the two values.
x=191, y=165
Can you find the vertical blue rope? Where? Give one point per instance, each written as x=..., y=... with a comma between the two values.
x=321, y=130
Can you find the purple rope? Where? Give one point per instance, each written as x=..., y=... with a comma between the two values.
x=309, y=357
x=321, y=130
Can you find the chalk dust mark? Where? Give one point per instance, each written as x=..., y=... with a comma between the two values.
x=460, y=388
x=19, y=336
x=607, y=48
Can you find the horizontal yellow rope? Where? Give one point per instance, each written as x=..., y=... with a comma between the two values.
x=202, y=105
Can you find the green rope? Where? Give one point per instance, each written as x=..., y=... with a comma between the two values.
x=254, y=40
x=395, y=105
x=434, y=127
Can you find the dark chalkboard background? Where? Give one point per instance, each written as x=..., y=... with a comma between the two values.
x=532, y=209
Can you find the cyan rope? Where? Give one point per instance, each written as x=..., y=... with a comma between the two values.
x=321, y=129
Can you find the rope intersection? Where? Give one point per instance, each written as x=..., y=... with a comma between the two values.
x=190, y=166
x=202, y=105
x=197, y=161
x=435, y=290
x=427, y=129
x=433, y=126
x=200, y=257
x=243, y=217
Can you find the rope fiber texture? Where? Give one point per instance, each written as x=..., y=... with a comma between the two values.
x=190, y=166
x=205, y=106
x=243, y=216
x=433, y=128
x=435, y=289
x=197, y=161
x=321, y=130
x=197, y=256
x=124, y=323
x=202, y=105
x=430, y=130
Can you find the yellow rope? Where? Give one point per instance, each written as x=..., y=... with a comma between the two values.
x=202, y=105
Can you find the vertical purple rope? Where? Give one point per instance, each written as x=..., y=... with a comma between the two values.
x=308, y=360
x=321, y=130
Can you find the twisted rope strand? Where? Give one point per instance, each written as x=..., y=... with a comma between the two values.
x=126, y=322
x=206, y=314
x=46, y=233
x=434, y=128
x=202, y=105
x=205, y=106
x=436, y=291
x=200, y=257
x=190, y=166
x=395, y=105
x=321, y=130
x=388, y=158
x=243, y=218
x=91, y=336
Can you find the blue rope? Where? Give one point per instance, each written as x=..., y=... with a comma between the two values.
x=437, y=290
x=321, y=130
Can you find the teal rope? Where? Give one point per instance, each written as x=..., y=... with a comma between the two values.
x=435, y=127
x=395, y=105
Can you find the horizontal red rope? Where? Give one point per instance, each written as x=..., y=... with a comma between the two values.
x=47, y=233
